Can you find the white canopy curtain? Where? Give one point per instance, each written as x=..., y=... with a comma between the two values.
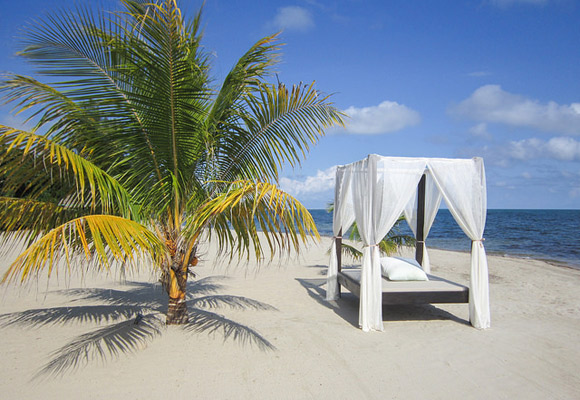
x=380, y=188
x=342, y=218
x=387, y=187
x=432, y=202
x=462, y=184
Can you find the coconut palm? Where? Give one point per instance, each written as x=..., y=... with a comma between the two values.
x=136, y=155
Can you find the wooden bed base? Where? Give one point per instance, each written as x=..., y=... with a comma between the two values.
x=435, y=290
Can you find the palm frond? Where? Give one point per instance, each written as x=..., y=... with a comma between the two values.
x=79, y=125
x=244, y=78
x=242, y=208
x=104, y=190
x=87, y=48
x=44, y=101
x=69, y=43
x=390, y=244
x=26, y=218
x=94, y=239
x=280, y=127
x=168, y=82
x=351, y=251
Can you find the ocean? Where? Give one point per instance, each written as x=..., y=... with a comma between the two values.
x=550, y=235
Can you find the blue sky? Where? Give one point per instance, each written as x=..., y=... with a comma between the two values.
x=498, y=79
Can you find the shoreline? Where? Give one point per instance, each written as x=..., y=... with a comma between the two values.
x=552, y=261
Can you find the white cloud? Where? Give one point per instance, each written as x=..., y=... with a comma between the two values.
x=389, y=116
x=293, y=18
x=562, y=149
x=492, y=104
x=558, y=148
x=480, y=130
x=479, y=74
x=504, y=185
x=525, y=149
x=321, y=182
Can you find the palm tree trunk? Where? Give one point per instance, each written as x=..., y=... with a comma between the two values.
x=177, y=308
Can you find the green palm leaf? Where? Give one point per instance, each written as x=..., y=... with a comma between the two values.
x=280, y=125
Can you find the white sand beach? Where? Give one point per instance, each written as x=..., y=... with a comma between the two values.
x=292, y=344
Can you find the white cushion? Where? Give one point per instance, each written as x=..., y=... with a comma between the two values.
x=402, y=269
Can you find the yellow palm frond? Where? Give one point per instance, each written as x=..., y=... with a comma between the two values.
x=27, y=218
x=238, y=213
x=103, y=188
x=95, y=240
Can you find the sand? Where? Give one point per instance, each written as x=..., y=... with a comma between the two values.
x=285, y=341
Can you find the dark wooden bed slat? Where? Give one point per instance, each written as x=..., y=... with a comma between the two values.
x=436, y=290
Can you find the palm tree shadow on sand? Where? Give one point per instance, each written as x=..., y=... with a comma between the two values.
x=135, y=317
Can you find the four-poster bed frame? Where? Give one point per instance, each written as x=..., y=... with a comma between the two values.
x=435, y=290
x=373, y=192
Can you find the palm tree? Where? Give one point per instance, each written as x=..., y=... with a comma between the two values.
x=142, y=155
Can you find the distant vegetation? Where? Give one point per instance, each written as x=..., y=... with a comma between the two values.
x=391, y=243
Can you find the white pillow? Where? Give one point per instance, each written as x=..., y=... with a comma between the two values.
x=402, y=269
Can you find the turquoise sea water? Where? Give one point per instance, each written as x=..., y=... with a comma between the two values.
x=551, y=235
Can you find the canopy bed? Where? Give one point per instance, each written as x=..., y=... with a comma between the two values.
x=374, y=192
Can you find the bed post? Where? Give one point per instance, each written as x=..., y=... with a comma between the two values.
x=338, y=240
x=420, y=221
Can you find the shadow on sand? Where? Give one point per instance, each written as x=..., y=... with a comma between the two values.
x=135, y=317
x=347, y=306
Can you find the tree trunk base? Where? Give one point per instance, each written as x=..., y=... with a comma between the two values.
x=177, y=312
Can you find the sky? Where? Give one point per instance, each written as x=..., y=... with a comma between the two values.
x=498, y=79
